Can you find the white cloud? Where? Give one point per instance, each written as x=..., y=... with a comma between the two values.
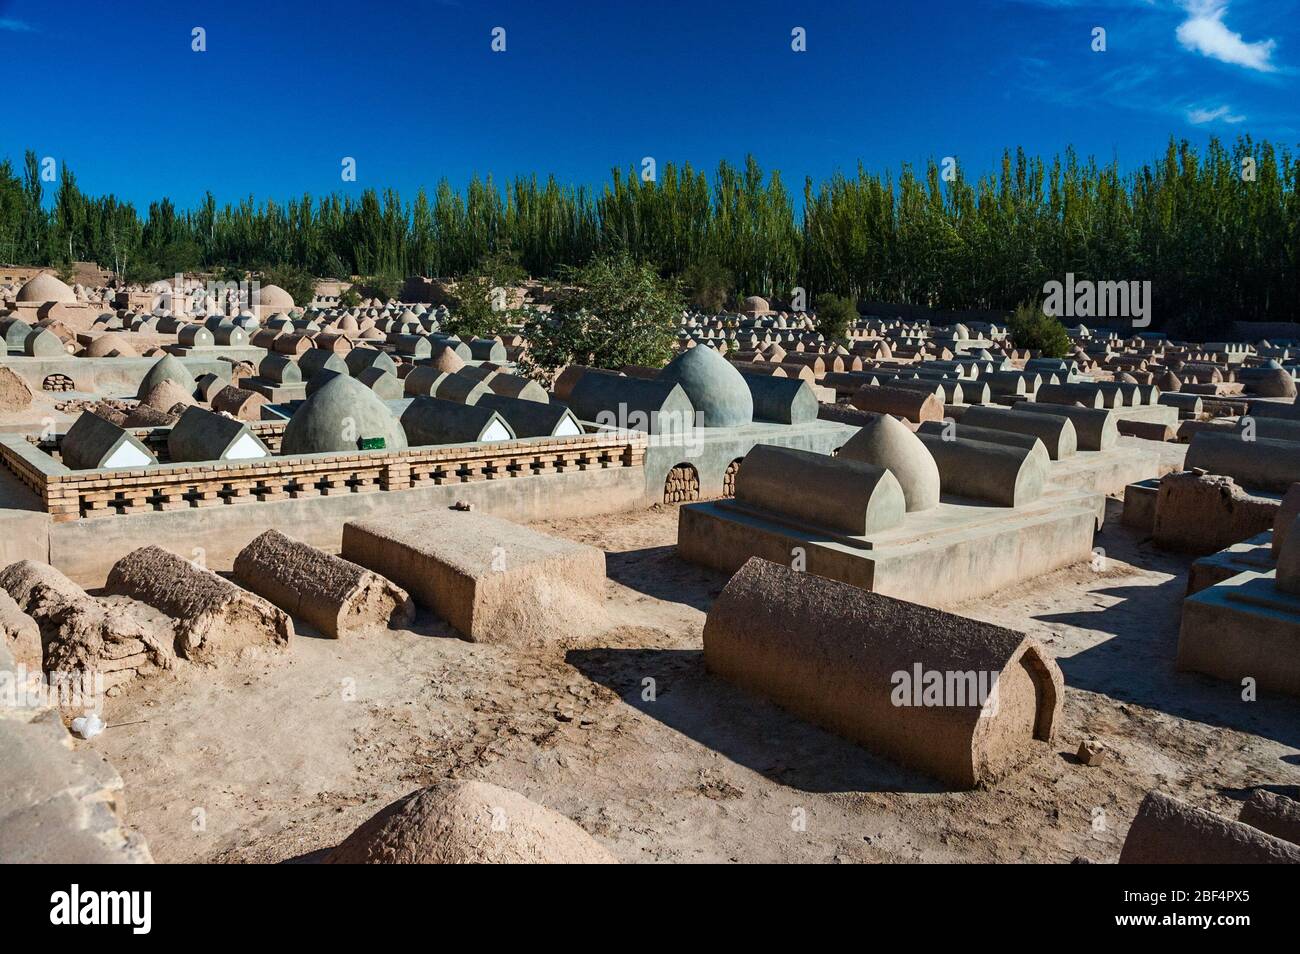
x=1205, y=32
x=16, y=26
x=1199, y=116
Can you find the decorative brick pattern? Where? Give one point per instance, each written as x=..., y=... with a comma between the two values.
x=71, y=495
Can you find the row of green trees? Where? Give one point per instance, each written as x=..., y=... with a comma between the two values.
x=1216, y=231
x=1217, y=234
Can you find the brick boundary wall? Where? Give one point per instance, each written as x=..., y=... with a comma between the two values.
x=71, y=495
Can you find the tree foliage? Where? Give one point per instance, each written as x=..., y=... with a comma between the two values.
x=710, y=285
x=835, y=316
x=1030, y=328
x=1216, y=242
x=617, y=312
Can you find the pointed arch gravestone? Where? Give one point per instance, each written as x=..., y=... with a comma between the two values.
x=93, y=443
x=430, y=420
x=202, y=435
x=533, y=418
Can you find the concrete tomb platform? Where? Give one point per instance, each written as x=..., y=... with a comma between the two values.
x=276, y=393
x=711, y=451
x=957, y=551
x=106, y=376
x=1243, y=627
x=864, y=666
x=1256, y=554
x=1107, y=471
x=493, y=580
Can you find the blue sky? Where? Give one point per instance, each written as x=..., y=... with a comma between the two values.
x=414, y=92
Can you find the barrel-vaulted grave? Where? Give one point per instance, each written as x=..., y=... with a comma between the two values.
x=956, y=698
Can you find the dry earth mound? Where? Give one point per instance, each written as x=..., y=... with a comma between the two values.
x=458, y=822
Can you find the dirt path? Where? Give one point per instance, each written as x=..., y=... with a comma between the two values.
x=275, y=759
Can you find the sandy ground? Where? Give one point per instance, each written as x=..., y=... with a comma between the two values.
x=277, y=758
x=45, y=404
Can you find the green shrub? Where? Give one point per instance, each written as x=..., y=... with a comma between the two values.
x=502, y=267
x=1031, y=329
x=383, y=287
x=617, y=312
x=709, y=285
x=479, y=310
x=835, y=316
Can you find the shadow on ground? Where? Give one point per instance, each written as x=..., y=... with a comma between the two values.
x=743, y=727
x=657, y=572
x=1137, y=665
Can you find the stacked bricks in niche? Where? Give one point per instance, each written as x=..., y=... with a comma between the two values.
x=729, y=479
x=682, y=485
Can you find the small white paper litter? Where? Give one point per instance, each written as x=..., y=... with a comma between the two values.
x=88, y=726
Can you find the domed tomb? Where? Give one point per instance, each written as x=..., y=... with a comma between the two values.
x=342, y=415
x=273, y=296
x=167, y=368
x=886, y=442
x=46, y=288
x=716, y=389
